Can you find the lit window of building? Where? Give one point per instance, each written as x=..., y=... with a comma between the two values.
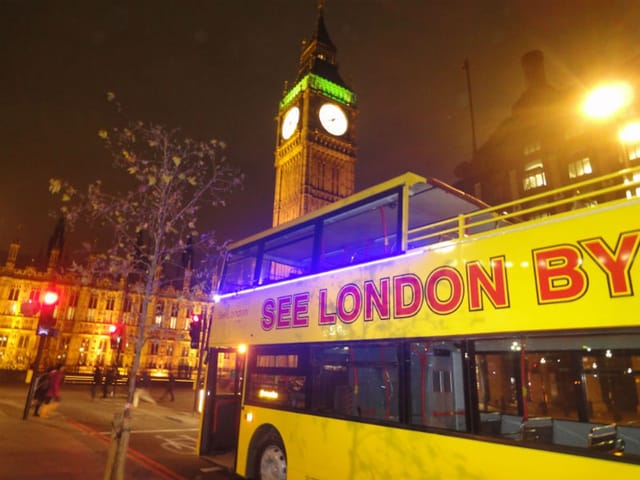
x=93, y=301
x=111, y=301
x=159, y=312
x=531, y=148
x=634, y=153
x=173, y=320
x=580, y=168
x=635, y=191
x=14, y=293
x=23, y=341
x=73, y=303
x=3, y=341
x=534, y=175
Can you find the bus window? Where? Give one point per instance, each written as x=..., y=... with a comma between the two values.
x=240, y=269
x=287, y=255
x=276, y=378
x=576, y=384
x=361, y=234
x=437, y=393
x=356, y=380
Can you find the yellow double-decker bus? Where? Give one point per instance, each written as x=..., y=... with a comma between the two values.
x=411, y=332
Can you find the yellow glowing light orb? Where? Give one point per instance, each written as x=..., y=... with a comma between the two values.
x=630, y=133
x=606, y=100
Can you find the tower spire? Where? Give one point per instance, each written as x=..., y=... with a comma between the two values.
x=319, y=54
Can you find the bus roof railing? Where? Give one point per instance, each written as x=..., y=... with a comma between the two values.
x=584, y=194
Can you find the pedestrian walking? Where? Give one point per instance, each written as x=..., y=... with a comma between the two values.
x=97, y=381
x=55, y=378
x=142, y=391
x=41, y=387
x=171, y=382
x=108, y=380
x=116, y=375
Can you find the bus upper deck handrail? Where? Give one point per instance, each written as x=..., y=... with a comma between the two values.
x=549, y=202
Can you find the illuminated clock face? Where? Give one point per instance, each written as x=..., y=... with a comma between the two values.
x=290, y=122
x=333, y=119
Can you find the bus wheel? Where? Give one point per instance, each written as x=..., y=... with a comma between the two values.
x=272, y=461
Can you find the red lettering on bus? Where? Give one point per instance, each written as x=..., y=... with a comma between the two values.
x=559, y=275
x=349, y=304
x=301, y=310
x=407, y=286
x=615, y=263
x=325, y=318
x=268, y=319
x=377, y=299
x=283, y=320
x=492, y=284
x=449, y=275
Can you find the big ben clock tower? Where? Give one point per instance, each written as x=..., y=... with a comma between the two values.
x=315, y=147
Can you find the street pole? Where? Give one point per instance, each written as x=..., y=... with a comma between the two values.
x=36, y=366
x=200, y=351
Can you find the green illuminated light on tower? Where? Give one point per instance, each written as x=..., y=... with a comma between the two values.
x=328, y=89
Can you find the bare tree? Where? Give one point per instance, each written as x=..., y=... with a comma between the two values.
x=167, y=179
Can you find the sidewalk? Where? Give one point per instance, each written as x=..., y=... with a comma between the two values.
x=48, y=449
x=63, y=447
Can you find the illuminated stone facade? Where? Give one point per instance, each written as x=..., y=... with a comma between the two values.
x=85, y=312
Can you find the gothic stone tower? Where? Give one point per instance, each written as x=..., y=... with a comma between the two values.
x=315, y=147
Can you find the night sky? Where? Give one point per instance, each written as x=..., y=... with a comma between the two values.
x=216, y=68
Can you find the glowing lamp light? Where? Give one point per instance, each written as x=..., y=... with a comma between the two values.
x=112, y=328
x=630, y=133
x=50, y=298
x=606, y=100
x=242, y=349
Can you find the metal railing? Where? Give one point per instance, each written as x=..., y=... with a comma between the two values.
x=589, y=193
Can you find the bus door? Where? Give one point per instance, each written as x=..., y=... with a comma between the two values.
x=221, y=415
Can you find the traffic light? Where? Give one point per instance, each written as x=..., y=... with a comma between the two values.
x=116, y=333
x=194, y=331
x=46, y=321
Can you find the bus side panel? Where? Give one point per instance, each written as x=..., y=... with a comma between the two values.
x=569, y=272
x=328, y=449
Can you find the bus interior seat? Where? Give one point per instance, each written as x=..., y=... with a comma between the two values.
x=490, y=423
x=538, y=429
x=604, y=438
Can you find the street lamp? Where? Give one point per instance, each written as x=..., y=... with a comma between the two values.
x=607, y=100
x=630, y=133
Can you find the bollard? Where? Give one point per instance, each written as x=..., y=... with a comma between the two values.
x=117, y=454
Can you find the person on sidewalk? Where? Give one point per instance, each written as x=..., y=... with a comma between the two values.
x=142, y=391
x=42, y=385
x=97, y=381
x=171, y=382
x=108, y=381
x=53, y=392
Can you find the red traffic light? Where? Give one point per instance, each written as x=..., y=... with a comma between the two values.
x=195, y=317
x=113, y=328
x=50, y=297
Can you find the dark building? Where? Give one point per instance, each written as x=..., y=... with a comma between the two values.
x=549, y=142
